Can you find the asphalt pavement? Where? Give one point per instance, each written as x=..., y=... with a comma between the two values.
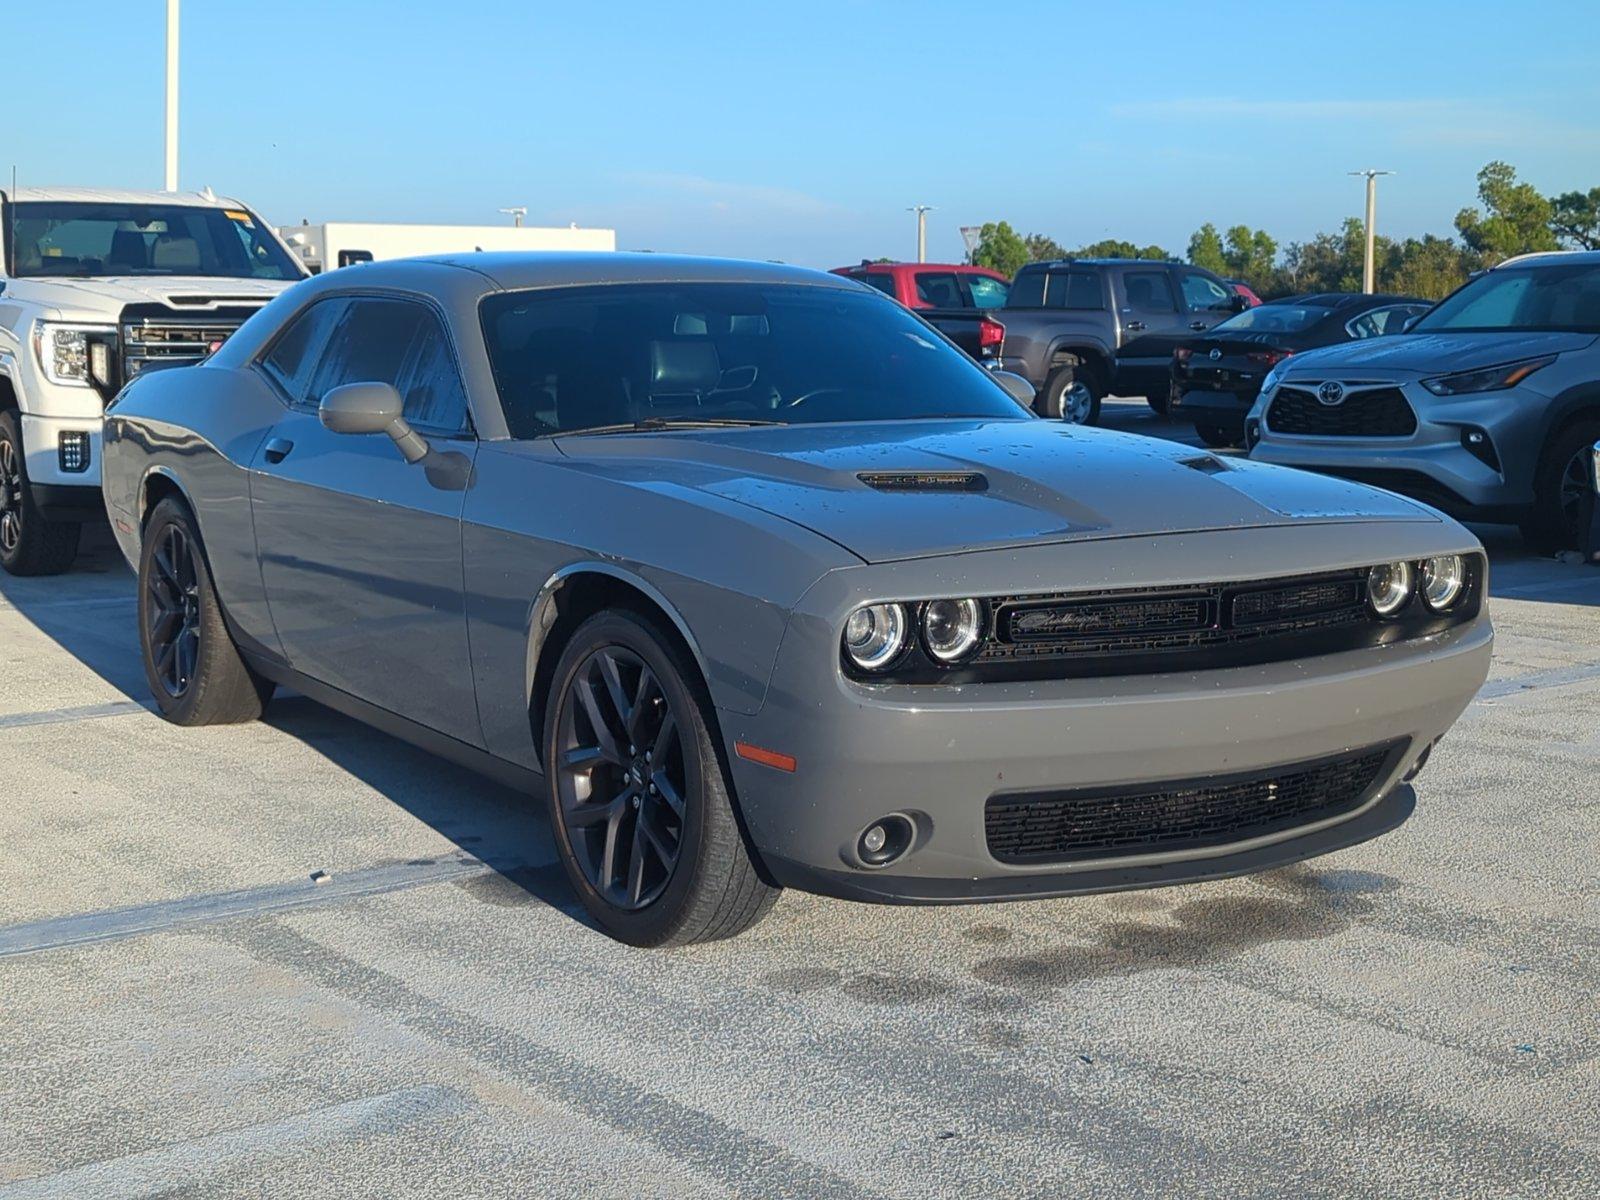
x=184, y=1012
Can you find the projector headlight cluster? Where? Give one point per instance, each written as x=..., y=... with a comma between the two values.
x=876, y=636
x=1440, y=581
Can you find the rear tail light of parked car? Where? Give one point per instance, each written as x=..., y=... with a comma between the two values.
x=1267, y=358
x=991, y=335
x=1182, y=355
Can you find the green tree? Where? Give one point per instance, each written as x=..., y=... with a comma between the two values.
x=1041, y=247
x=1114, y=248
x=1515, y=218
x=1575, y=218
x=1431, y=268
x=1205, y=249
x=1250, y=255
x=1332, y=262
x=999, y=248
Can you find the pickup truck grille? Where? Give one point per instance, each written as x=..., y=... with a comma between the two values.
x=1375, y=412
x=1059, y=827
x=167, y=342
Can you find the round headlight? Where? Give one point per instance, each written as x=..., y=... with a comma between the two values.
x=874, y=635
x=1389, y=588
x=1444, y=579
x=952, y=628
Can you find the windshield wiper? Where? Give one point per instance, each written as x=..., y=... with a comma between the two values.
x=657, y=424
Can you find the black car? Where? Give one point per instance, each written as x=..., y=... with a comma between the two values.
x=1215, y=376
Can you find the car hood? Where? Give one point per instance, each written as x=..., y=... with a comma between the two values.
x=103, y=298
x=1041, y=481
x=1436, y=353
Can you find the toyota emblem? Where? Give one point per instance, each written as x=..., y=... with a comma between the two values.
x=1331, y=393
x=1216, y=353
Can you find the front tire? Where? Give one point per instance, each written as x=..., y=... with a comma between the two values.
x=640, y=802
x=1560, y=483
x=29, y=543
x=1071, y=393
x=191, y=663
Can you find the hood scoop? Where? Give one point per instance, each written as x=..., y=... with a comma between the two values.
x=925, y=481
x=1206, y=464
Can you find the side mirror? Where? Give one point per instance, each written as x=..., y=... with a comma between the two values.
x=1018, y=388
x=1238, y=303
x=371, y=408
x=1405, y=326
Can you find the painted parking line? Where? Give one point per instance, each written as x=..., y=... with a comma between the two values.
x=79, y=929
x=169, y=1170
x=65, y=716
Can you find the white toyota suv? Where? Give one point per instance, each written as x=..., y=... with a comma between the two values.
x=95, y=287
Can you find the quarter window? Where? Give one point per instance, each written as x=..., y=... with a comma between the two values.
x=403, y=344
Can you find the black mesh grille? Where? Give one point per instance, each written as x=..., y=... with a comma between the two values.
x=1376, y=412
x=1067, y=826
x=1176, y=619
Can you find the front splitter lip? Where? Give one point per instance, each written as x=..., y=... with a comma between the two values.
x=876, y=887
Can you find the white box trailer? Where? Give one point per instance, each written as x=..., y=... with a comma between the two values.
x=345, y=243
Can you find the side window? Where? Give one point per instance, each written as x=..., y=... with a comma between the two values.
x=1074, y=289
x=1380, y=322
x=939, y=291
x=881, y=280
x=401, y=343
x=1149, y=291
x=293, y=356
x=1202, y=292
x=986, y=292
x=1027, y=290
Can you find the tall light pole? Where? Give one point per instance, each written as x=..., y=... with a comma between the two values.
x=172, y=95
x=1369, y=273
x=516, y=214
x=922, y=211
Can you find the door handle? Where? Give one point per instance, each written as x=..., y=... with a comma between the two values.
x=1197, y=324
x=277, y=450
x=1134, y=325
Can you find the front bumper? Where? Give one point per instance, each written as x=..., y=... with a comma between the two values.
x=1433, y=464
x=41, y=439
x=939, y=753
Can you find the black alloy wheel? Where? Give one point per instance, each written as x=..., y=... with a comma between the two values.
x=621, y=778
x=10, y=498
x=172, y=611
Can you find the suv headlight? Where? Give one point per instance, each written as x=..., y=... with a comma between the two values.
x=1489, y=379
x=63, y=350
x=1273, y=376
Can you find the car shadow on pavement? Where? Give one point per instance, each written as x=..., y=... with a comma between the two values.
x=90, y=613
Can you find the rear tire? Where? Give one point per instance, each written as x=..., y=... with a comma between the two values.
x=191, y=663
x=640, y=801
x=1072, y=393
x=30, y=544
x=1560, y=482
x=1161, y=404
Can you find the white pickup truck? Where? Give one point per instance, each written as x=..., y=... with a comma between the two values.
x=95, y=287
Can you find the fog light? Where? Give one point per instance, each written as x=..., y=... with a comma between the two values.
x=1477, y=443
x=1252, y=432
x=1389, y=588
x=885, y=840
x=73, y=452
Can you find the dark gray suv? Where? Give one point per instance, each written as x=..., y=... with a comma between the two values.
x=1486, y=409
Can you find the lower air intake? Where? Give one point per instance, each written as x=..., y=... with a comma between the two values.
x=1103, y=823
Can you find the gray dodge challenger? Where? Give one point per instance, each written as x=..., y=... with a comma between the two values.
x=761, y=583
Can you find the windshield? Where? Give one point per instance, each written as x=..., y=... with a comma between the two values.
x=568, y=359
x=1563, y=298
x=1280, y=317
x=87, y=240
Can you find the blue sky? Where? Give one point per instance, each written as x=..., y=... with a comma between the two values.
x=801, y=131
